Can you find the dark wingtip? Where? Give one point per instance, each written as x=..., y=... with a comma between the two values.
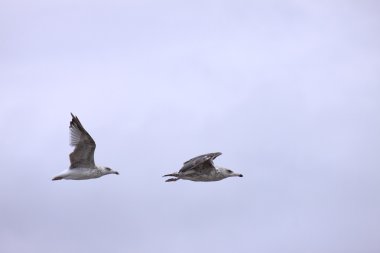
x=76, y=122
x=216, y=154
x=73, y=116
x=72, y=122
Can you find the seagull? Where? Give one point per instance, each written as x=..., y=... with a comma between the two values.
x=202, y=168
x=82, y=158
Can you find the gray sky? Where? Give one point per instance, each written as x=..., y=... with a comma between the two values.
x=289, y=91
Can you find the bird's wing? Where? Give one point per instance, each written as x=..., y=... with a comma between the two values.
x=203, y=163
x=83, y=154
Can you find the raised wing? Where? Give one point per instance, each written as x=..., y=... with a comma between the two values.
x=203, y=163
x=83, y=154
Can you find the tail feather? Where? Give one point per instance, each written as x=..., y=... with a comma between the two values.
x=175, y=175
x=171, y=175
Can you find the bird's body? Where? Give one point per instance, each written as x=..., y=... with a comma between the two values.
x=82, y=158
x=202, y=169
x=199, y=177
x=81, y=173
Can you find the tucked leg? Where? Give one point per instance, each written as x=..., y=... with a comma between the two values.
x=171, y=179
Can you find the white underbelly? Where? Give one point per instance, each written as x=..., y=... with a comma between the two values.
x=81, y=174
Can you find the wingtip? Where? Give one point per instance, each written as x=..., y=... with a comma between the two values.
x=216, y=154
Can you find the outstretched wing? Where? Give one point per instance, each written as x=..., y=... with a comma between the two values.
x=202, y=164
x=83, y=154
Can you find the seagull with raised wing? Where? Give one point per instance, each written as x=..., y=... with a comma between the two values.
x=82, y=158
x=202, y=168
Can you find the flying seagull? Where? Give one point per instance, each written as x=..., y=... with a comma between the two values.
x=202, y=168
x=82, y=158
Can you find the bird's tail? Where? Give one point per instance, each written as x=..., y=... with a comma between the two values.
x=171, y=175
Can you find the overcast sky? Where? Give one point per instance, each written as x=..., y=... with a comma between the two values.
x=289, y=91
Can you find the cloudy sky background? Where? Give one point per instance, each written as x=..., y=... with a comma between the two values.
x=289, y=91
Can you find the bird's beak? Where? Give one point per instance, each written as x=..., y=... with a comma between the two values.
x=240, y=175
x=115, y=172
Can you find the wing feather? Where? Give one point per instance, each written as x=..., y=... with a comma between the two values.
x=200, y=164
x=83, y=154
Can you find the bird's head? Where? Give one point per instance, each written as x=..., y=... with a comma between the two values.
x=229, y=173
x=109, y=171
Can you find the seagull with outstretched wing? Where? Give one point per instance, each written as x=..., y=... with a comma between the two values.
x=82, y=158
x=202, y=168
